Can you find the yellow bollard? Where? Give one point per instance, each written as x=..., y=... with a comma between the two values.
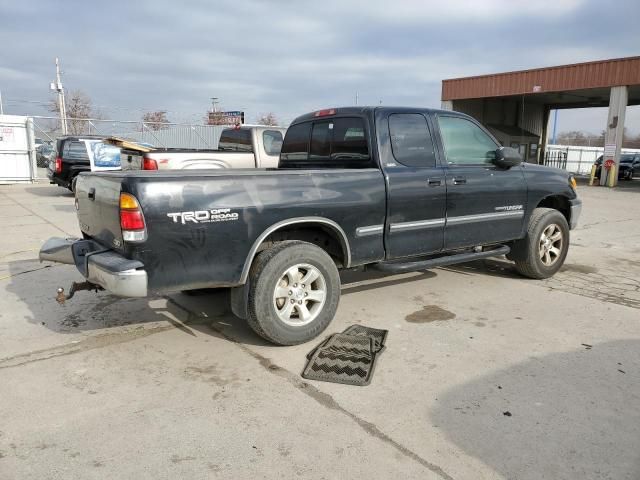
x=611, y=179
x=593, y=175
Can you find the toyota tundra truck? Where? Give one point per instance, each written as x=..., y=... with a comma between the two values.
x=391, y=189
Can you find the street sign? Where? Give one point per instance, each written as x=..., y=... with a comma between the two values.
x=226, y=118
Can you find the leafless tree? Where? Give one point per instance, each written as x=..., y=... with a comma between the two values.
x=79, y=109
x=267, y=119
x=586, y=139
x=155, y=120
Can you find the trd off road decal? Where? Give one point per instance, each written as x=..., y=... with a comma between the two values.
x=204, y=216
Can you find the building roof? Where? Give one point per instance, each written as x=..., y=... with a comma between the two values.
x=601, y=74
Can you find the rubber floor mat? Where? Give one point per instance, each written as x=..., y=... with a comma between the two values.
x=379, y=337
x=348, y=358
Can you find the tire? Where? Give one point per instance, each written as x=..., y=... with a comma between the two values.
x=281, y=270
x=535, y=255
x=72, y=184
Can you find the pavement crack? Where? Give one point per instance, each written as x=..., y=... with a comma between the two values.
x=28, y=271
x=329, y=402
x=90, y=343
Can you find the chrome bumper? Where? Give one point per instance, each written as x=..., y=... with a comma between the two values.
x=106, y=268
x=576, y=210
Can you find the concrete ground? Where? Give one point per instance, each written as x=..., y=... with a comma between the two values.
x=486, y=375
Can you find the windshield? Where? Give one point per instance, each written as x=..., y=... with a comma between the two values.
x=626, y=158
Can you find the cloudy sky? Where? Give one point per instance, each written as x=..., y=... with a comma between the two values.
x=290, y=57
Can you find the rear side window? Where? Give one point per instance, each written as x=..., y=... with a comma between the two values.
x=233, y=140
x=296, y=144
x=465, y=143
x=321, y=134
x=272, y=140
x=75, y=150
x=335, y=143
x=411, y=141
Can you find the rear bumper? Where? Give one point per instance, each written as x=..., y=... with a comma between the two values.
x=576, y=210
x=113, y=272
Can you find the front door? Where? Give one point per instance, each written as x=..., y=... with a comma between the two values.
x=415, y=184
x=485, y=203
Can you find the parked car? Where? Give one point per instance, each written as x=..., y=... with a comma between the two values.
x=248, y=146
x=71, y=157
x=391, y=189
x=629, y=166
x=44, y=154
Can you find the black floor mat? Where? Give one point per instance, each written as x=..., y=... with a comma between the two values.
x=348, y=357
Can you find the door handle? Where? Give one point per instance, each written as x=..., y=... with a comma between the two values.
x=434, y=182
x=92, y=194
x=459, y=180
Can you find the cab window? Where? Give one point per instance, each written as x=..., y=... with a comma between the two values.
x=272, y=141
x=326, y=143
x=465, y=143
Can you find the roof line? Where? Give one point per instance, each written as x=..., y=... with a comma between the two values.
x=555, y=67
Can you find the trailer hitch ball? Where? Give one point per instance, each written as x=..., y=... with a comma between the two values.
x=60, y=297
x=75, y=286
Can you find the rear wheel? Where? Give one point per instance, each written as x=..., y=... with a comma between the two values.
x=293, y=292
x=543, y=251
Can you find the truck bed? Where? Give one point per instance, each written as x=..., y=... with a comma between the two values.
x=204, y=224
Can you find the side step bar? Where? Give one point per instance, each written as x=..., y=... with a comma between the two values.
x=397, y=267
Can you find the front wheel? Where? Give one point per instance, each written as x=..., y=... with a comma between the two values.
x=294, y=291
x=543, y=251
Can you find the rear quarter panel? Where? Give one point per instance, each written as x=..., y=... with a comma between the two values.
x=181, y=255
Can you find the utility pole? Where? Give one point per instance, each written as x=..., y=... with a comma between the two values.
x=57, y=87
x=1, y=107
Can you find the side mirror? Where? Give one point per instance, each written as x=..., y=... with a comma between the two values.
x=507, y=157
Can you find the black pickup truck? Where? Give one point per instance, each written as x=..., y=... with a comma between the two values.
x=393, y=189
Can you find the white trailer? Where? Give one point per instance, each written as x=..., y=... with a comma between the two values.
x=17, y=149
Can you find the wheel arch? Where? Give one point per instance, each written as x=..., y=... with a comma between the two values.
x=557, y=202
x=292, y=228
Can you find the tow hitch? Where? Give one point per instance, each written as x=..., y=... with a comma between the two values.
x=75, y=287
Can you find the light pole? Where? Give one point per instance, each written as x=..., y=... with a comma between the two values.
x=57, y=87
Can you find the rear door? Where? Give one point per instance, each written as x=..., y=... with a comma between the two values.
x=485, y=203
x=415, y=184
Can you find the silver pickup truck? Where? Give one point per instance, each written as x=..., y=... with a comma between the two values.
x=247, y=146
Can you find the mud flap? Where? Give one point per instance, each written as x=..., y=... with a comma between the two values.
x=240, y=300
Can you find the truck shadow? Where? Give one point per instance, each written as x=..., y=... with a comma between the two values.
x=31, y=289
x=52, y=191
x=571, y=414
x=493, y=268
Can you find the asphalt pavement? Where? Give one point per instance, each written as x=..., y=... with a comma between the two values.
x=486, y=375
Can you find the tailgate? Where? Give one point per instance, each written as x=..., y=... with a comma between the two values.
x=130, y=160
x=98, y=204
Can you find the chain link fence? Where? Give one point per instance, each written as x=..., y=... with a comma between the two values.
x=159, y=135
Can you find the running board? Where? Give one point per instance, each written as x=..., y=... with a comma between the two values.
x=397, y=267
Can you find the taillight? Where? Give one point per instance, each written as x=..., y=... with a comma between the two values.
x=58, y=165
x=149, y=164
x=131, y=219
